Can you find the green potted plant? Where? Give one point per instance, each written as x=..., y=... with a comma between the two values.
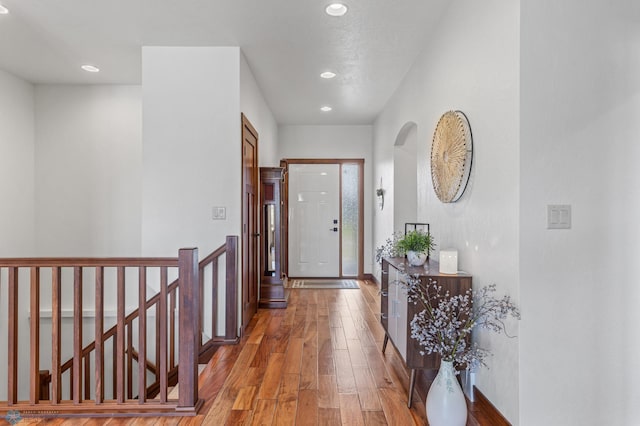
x=416, y=245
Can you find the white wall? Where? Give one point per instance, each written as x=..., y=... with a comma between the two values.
x=17, y=194
x=336, y=142
x=405, y=177
x=256, y=109
x=470, y=63
x=191, y=147
x=580, y=105
x=17, y=191
x=74, y=152
x=88, y=158
x=88, y=170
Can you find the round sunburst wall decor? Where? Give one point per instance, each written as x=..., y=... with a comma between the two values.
x=451, y=156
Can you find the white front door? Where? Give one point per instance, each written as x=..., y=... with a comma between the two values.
x=314, y=213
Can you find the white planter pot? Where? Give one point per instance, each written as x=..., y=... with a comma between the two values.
x=416, y=258
x=446, y=405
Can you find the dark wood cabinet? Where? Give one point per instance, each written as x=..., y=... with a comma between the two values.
x=397, y=313
x=272, y=292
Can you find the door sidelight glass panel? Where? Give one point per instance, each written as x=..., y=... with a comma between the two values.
x=350, y=219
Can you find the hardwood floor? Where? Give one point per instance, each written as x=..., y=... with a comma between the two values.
x=318, y=362
x=315, y=363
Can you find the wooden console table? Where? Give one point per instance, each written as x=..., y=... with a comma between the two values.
x=397, y=313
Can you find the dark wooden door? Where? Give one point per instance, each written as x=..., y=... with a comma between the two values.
x=250, y=230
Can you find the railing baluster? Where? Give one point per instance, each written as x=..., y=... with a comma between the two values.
x=129, y=352
x=77, y=335
x=56, y=333
x=172, y=330
x=87, y=376
x=189, y=327
x=119, y=389
x=114, y=368
x=99, y=330
x=157, y=372
x=142, y=335
x=34, y=393
x=214, y=297
x=162, y=363
x=201, y=307
x=12, y=388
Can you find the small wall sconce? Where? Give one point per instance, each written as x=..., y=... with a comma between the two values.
x=380, y=195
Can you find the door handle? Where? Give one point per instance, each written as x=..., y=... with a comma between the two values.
x=257, y=234
x=333, y=229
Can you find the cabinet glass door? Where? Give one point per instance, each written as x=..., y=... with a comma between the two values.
x=270, y=240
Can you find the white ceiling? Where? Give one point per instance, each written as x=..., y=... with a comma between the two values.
x=287, y=43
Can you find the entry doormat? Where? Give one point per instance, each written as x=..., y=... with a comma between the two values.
x=320, y=284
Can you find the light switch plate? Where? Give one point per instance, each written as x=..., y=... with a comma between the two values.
x=219, y=213
x=558, y=216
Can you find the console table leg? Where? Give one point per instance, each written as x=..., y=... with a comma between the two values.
x=384, y=344
x=412, y=384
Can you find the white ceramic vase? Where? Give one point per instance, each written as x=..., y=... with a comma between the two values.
x=416, y=258
x=446, y=405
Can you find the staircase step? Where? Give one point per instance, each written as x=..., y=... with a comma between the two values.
x=174, y=393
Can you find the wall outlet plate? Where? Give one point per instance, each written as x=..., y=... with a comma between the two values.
x=558, y=216
x=219, y=213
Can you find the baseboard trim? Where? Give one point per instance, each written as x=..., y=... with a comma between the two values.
x=370, y=277
x=496, y=416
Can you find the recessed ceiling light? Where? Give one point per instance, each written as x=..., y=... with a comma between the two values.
x=3, y=10
x=336, y=9
x=328, y=74
x=326, y=109
x=90, y=68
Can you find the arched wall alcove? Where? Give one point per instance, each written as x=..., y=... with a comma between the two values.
x=405, y=176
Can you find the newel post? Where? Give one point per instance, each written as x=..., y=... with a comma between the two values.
x=189, y=305
x=231, y=328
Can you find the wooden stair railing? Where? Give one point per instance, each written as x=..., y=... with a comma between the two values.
x=230, y=335
x=178, y=344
